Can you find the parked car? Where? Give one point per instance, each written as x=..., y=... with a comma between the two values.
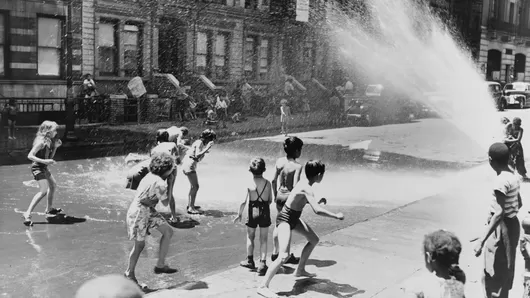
x=495, y=90
x=516, y=94
x=381, y=105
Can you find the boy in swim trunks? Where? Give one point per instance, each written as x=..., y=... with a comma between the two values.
x=289, y=219
x=288, y=170
x=259, y=198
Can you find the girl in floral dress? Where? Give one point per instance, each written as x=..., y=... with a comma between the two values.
x=142, y=216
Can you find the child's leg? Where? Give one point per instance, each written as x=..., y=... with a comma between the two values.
x=194, y=188
x=312, y=239
x=9, y=128
x=52, y=186
x=263, y=235
x=275, y=246
x=284, y=238
x=251, y=235
x=43, y=189
x=133, y=258
x=13, y=123
x=170, y=186
x=167, y=233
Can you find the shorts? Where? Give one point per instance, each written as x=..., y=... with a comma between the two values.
x=12, y=118
x=500, y=252
x=40, y=173
x=140, y=222
x=281, y=198
x=289, y=216
x=136, y=174
x=262, y=221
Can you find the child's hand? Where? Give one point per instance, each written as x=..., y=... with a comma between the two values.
x=340, y=216
x=237, y=218
x=49, y=161
x=58, y=143
x=478, y=249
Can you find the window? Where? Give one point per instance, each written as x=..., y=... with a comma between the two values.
x=309, y=58
x=264, y=59
x=2, y=44
x=132, y=54
x=202, y=53
x=49, y=46
x=512, y=13
x=220, y=59
x=108, y=49
x=250, y=57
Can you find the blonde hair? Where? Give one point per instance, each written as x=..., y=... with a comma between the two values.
x=44, y=132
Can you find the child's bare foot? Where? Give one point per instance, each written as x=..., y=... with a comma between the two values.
x=266, y=292
x=27, y=220
x=303, y=273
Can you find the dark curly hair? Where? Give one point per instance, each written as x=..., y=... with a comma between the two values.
x=257, y=166
x=209, y=135
x=314, y=168
x=162, y=136
x=161, y=163
x=292, y=145
x=445, y=249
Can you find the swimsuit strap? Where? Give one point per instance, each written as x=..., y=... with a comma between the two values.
x=262, y=191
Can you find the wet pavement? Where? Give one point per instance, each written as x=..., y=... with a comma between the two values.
x=53, y=260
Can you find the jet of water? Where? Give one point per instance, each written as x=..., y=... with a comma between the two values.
x=404, y=43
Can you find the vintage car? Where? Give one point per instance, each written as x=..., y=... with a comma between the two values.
x=516, y=94
x=495, y=90
x=380, y=105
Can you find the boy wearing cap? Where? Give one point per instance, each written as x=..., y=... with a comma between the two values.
x=502, y=234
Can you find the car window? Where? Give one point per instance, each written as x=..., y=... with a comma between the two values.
x=508, y=87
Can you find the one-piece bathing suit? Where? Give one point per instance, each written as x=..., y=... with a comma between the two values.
x=259, y=213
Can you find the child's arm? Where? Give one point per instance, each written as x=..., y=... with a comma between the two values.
x=283, y=111
x=161, y=192
x=275, y=180
x=33, y=157
x=241, y=209
x=270, y=192
x=203, y=152
x=297, y=175
x=311, y=200
x=494, y=220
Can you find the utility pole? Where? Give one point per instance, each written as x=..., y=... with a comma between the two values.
x=69, y=133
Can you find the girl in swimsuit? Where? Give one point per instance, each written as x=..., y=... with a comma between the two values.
x=259, y=198
x=515, y=135
x=288, y=170
x=42, y=153
x=189, y=165
x=289, y=220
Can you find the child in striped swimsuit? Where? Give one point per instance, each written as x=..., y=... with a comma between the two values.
x=502, y=234
x=289, y=219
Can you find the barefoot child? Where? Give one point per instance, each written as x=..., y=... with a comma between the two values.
x=285, y=116
x=11, y=111
x=142, y=216
x=289, y=220
x=189, y=165
x=259, y=198
x=41, y=155
x=502, y=234
x=443, y=277
x=288, y=171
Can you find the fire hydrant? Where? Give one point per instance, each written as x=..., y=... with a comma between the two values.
x=525, y=250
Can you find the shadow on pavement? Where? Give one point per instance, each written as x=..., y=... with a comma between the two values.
x=185, y=224
x=217, y=213
x=321, y=263
x=324, y=286
x=67, y=220
x=186, y=285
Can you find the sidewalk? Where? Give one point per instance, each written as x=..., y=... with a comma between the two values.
x=370, y=259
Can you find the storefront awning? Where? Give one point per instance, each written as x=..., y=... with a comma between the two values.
x=207, y=82
x=319, y=85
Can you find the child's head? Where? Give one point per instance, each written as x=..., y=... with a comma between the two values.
x=517, y=122
x=499, y=155
x=109, y=286
x=505, y=120
x=162, y=136
x=257, y=166
x=88, y=76
x=293, y=147
x=208, y=135
x=184, y=131
x=12, y=101
x=442, y=253
x=314, y=170
x=48, y=129
x=161, y=164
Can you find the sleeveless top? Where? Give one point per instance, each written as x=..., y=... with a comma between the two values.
x=259, y=208
x=43, y=153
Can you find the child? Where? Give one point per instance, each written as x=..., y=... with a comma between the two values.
x=11, y=111
x=221, y=106
x=285, y=115
x=515, y=135
x=289, y=219
x=502, y=234
x=89, y=87
x=288, y=170
x=44, y=147
x=189, y=165
x=259, y=198
x=142, y=216
x=444, y=277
